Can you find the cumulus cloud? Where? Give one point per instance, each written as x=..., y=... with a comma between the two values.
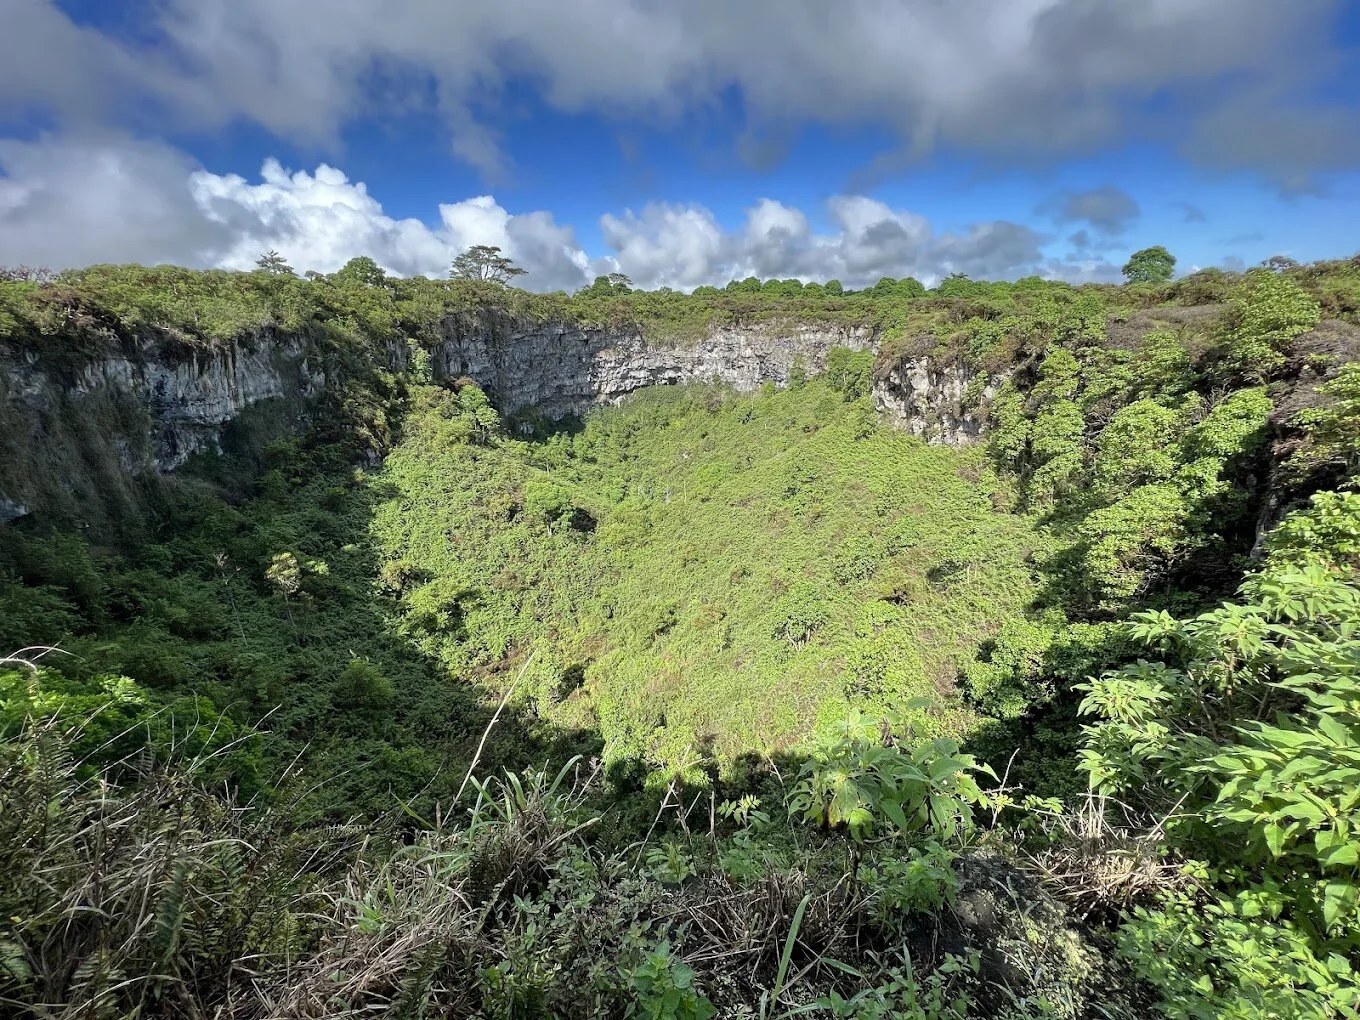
x=665, y=245
x=74, y=201
x=1000, y=77
x=996, y=250
x=78, y=201
x=683, y=247
x=320, y=220
x=875, y=240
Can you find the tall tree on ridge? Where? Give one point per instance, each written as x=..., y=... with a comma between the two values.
x=484, y=262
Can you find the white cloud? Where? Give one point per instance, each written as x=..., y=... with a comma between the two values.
x=683, y=246
x=667, y=245
x=79, y=201
x=1000, y=77
x=321, y=220
x=73, y=201
x=877, y=241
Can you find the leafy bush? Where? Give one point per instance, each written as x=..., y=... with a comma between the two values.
x=1010, y=673
x=666, y=989
x=546, y=501
x=1266, y=798
x=942, y=995
x=1333, y=430
x=850, y=373
x=1234, y=958
x=1269, y=311
x=858, y=781
x=363, y=686
x=922, y=881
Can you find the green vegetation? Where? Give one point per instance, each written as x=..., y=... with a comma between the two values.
x=710, y=704
x=263, y=609
x=1137, y=463
x=152, y=896
x=1331, y=448
x=696, y=575
x=1246, y=739
x=1150, y=265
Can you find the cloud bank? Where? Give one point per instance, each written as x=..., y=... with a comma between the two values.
x=1231, y=83
x=68, y=201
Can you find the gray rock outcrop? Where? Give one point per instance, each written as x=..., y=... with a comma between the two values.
x=561, y=369
x=941, y=403
x=147, y=406
x=188, y=395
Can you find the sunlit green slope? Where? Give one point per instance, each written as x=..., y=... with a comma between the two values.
x=698, y=570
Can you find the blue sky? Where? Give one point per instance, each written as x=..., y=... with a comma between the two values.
x=681, y=143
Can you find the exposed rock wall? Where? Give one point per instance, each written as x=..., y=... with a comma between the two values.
x=1318, y=358
x=149, y=405
x=563, y=369
x=143, y=407
x=941, y=403
x=188, y=396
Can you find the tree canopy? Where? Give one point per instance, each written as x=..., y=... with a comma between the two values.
x=272, y=262
x=486, y=263
x=1150, y=265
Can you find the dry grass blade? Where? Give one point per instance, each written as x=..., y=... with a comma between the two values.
x=21, y=657
x=477, y=755
x=1099, y=866
x=146, y=897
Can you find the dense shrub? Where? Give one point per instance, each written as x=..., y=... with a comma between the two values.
x=1245, y=736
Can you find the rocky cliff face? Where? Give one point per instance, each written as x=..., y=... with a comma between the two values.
x=188, y=397
x=149, y=406
x=145, y=407
x=941, y=403
x=562, y=369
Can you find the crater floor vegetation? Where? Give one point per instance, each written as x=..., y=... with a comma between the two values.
x=697, y=574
